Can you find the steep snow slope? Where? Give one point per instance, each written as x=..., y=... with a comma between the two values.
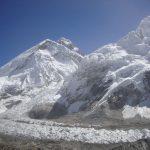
x=35, y=74
x=113, y=81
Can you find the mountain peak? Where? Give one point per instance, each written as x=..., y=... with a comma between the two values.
x=45, y=63
x=137, y=41
x=68, y=43
x=144, y=27
x=46, y=43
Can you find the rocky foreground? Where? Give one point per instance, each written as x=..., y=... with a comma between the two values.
x=21, y=134
x=62, y=145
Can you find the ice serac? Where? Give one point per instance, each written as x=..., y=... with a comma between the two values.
x=42, y=68
x=113, y=81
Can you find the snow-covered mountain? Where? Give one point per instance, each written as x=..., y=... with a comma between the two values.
x=44, y=63
x=52, y=80
x=104, y=78
x=38, y=69
x=113, y=81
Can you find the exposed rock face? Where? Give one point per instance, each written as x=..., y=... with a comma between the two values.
x=10, y=90
x=125, y=95
x=11, y=103
x=57, y=111
x=40, y=111
x=146, y=80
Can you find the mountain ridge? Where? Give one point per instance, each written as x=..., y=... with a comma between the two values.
x=106, y=77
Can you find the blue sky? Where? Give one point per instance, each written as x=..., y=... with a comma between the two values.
x=88, y=23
